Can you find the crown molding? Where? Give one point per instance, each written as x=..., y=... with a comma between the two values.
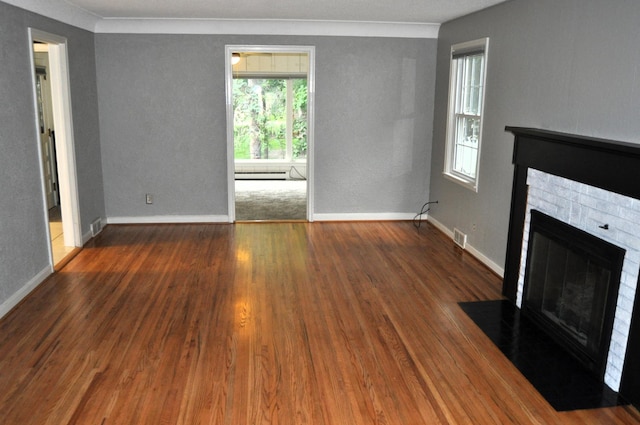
x=267, y=27
x=60, y=11
x=64, y=12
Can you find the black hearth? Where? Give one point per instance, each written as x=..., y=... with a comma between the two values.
x=565, y=383
x=571, y=286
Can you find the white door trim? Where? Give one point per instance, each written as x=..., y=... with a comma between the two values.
x=63, y=124
x=311, y=79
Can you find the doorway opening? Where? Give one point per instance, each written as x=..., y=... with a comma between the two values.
x=270, y=132
x=52, y=102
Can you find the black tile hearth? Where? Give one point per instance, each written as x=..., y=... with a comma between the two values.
x=558, y=377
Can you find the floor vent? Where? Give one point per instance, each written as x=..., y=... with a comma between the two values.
x=96, y=227
x=459, y=238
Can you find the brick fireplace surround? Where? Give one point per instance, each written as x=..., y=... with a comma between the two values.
x=587, y=183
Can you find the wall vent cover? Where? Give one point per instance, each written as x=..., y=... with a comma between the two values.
x=96, y=227
x=459, y=238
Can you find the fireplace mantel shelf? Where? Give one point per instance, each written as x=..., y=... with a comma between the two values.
x=574, y=139
x=607, y=164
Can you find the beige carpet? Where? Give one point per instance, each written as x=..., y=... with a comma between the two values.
x=271, y=200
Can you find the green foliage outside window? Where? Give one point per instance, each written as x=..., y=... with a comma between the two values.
x=300, y=119
x=260, y=121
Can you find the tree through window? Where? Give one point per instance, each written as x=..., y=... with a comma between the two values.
x=270, y=118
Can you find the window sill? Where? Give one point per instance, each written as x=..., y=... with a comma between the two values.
x=471, y=185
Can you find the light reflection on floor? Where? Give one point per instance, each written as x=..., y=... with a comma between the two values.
x=60, y=251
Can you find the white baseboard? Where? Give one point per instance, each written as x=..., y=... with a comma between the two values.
x=364, y=217
x=169, y=219
x=20, y=294
x=473, y=251
x=441, y=227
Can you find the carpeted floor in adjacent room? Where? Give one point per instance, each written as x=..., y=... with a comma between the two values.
x=271, y=199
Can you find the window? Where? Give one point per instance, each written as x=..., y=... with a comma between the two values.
x=270, y=118
x=466, y=101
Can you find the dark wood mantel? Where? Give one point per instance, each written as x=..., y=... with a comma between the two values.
x=606, y=164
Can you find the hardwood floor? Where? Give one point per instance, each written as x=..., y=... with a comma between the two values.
x=279, y=323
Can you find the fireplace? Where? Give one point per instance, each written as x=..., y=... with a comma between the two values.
x=571, y=286
x=589, y=184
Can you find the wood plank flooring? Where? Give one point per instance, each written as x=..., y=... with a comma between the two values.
x=271, y=323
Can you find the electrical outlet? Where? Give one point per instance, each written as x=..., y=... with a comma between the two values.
x=149, y=198
x=474, y=227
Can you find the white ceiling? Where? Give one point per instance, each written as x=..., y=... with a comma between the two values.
x=399, y=11
x=385, y=18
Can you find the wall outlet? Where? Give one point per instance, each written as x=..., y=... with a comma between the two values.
x=149, y=198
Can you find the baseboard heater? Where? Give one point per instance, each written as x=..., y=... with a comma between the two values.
x=261, y=175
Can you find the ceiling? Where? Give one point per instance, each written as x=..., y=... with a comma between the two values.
x=396, y=11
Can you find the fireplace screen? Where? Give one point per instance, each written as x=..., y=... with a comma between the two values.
x=571, y=286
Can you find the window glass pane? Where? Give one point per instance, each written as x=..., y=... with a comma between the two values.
x=459, y=92
x=472, y=84
x=299, y=136
x=466, y=145
x=260, y=118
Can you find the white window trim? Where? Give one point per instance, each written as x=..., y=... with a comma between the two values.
x=449, y=173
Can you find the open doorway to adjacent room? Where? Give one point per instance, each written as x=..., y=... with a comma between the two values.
x=55, y=132
x=270, y=110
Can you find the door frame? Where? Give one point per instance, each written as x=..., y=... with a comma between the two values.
x=310, y=51
x=64, y=142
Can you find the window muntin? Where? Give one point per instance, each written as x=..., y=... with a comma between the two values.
x=466, y=101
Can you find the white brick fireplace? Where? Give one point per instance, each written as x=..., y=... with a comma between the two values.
x=607, y=215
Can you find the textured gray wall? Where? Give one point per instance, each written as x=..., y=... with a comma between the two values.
x=23, y=243
x=564, y=65
x=373, y=124
x=162, y=119
x=163, y=128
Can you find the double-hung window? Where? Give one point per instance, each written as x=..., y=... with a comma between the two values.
x=466, y=102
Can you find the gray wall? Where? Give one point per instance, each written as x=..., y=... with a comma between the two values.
x=163, y=128
x=373, y=124
x=23, y=242
x=564, y=65
x=162, y=122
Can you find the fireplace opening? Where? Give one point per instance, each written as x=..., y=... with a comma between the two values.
x=571, y=287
